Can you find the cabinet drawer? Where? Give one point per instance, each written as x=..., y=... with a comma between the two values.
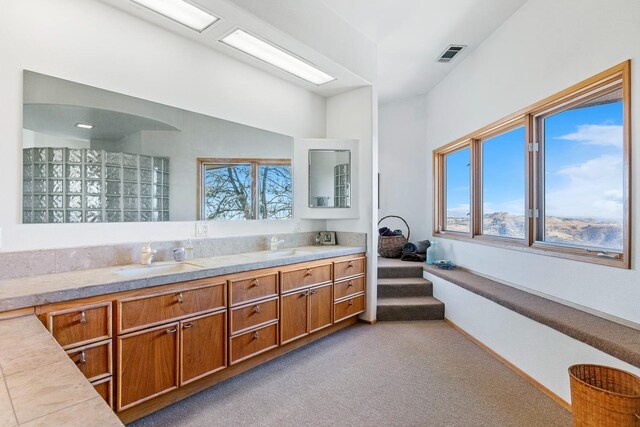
x=304, y=277
x=104, y=388
x=80, y=325
x=253, y=288
x=254, y=314
x=142, y=311
x=253, y=343
x=348, y=287
x=93, y=360
x=348, y=268
x=347, y=308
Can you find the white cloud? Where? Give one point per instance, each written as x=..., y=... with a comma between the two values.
x=608, y=135
x=461, y=210
x=592, y=189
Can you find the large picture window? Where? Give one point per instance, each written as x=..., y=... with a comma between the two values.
x=240, y=189
x=551, y=179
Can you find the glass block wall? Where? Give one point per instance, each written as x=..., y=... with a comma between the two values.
x=85, y=185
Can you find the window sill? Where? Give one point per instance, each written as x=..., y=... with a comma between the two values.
x=545, y=249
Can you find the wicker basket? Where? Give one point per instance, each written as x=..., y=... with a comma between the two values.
x=604, y=396
x=391, y=246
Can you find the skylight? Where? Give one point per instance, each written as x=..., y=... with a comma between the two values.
x=275, y=56
x=182, y=12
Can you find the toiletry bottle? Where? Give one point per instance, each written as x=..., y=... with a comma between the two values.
x=188, y=250
x=432, y=252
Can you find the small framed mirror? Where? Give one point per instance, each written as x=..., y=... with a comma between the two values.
x=329, y=178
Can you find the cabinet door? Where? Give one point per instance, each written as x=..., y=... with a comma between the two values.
x=320, y=307
x=203, y=346
x=147, y=364
x=294, y=316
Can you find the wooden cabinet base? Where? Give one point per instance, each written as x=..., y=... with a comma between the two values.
x=157, y=403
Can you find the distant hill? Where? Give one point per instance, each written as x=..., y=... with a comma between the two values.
x=581, y=231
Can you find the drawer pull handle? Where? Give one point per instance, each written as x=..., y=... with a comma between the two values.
x=256, y=335
x=83, y=317
x=304, y=293
x=83, y=358
x=187, y=326
x=350, y=284
x=350, y=264
x=313, y=292
x=172, y=331
x=255, y=282
x=256, y=309
x=350, y=302
x=180, y=298
x=308, y=272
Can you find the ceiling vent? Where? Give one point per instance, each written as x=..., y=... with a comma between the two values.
x=450, y=52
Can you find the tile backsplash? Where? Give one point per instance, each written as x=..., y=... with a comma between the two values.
x=47, y=261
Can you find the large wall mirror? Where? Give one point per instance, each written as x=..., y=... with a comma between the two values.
x=92, y=155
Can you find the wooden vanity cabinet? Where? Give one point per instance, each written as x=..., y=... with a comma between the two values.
x=203, y=346
x=320, y=307
x=147, y=364
x=254, y=314
x=294, y=317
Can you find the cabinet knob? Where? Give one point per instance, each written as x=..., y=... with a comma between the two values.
x=187, y=326
x=171, y=331
x=308, y=272
x=83, y=358
x=350, y=264
x=313, y=292
x=350, y=284
x=180, y=298
x=255, y=282
x=256, y=335
x=304, y=293
x=256, y=309
x=350, y=302
x=83, y=317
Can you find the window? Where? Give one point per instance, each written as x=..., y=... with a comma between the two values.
x=458, y=190
x=551, y=179
x=582, y=179
x=503, y=184
x=244, y=189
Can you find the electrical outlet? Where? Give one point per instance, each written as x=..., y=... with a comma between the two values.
x=202, y=229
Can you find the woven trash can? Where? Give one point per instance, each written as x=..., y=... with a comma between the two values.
x=604, y=396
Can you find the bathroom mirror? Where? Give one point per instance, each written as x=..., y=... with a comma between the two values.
x=93, y=155
x=329, y=178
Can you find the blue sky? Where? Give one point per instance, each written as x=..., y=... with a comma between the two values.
x=583, y=167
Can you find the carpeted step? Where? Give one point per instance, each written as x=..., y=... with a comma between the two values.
x=400, y=271
x=405, y=287
x=409, y=308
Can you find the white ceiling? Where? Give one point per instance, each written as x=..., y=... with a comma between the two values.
x=410, y=35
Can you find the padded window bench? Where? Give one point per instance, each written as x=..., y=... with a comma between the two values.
x=619, y=341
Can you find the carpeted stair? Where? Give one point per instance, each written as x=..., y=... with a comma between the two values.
x=403, y=294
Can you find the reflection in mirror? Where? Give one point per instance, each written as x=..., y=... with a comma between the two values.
x=245, y=189
x=329, y=178
x=92, y=155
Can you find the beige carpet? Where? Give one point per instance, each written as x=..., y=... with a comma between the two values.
x=390, y=374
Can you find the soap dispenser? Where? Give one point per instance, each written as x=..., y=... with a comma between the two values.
x=188, y=250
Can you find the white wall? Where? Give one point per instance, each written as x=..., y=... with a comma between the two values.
x=544, y=47
x=93, y=43
x=354, y=115
x=404, y=162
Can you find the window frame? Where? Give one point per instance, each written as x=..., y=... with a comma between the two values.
x=255, y=163
x=617, y=76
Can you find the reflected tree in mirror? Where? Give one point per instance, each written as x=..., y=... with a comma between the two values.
x=242, y=189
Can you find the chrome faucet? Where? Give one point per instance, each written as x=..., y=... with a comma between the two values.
x=275, y=242
x=147, y=254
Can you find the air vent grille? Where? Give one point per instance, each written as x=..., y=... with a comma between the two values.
x=450, y=52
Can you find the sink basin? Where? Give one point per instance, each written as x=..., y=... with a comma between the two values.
x=285, y=253
x=167, y=268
